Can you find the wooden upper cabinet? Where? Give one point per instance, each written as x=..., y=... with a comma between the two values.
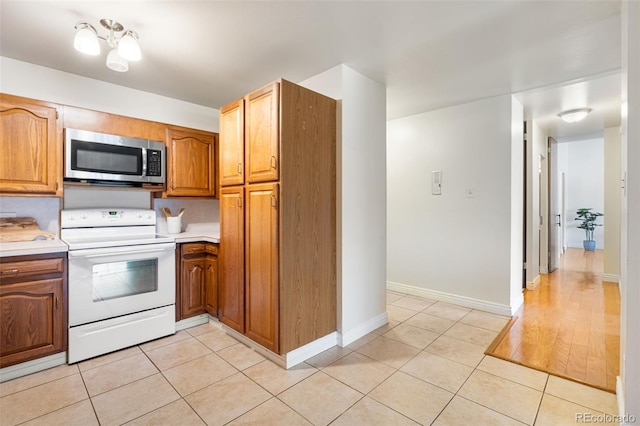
x=191, y=163
x=232, y=143
x=262, y=140
x=30, y=147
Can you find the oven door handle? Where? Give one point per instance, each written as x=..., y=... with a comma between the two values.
x=111, y=251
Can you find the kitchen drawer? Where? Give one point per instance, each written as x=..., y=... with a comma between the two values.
x=30, y=268
x=212, y=249
x=193, y=248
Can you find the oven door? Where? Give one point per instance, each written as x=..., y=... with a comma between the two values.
x=110, y=282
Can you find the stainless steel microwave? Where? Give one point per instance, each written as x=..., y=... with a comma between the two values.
x=102, y=158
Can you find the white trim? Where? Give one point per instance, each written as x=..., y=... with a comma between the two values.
x=612, y=278
x=532, y=285
x=620, y=395
x=544, y=270
x=192, y=322
x=483, y=305
x=310, y=350
x=278, y=359
x=290, y=359
x=348, y=337
x=30, y=367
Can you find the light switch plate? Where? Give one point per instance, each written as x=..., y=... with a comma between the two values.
x=436, y=182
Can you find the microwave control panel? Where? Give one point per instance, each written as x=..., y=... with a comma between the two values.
x=154, y=162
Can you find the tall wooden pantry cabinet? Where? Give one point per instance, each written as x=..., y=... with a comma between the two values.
x=277, y=263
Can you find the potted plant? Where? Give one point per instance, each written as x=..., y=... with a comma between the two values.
x=588, y=219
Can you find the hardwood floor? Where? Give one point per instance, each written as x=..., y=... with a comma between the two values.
x=570, y=325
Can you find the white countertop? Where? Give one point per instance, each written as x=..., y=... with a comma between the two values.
x=24, y=248
x=209, y=232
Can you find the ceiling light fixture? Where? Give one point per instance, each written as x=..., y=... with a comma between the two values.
x=574, y=115
x=124, y=47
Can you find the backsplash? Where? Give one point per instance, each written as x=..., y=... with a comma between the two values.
x=196, y=212
x=43, y=210
x=82, y=198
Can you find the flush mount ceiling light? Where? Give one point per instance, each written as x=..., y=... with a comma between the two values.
x=123, y=48
x=574, y=115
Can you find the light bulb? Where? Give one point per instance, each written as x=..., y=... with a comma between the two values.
x=116, y=62
x=128, y=47
x=574, y=115
x=86, y=40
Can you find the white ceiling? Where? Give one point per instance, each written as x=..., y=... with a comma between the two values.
x=430, y=54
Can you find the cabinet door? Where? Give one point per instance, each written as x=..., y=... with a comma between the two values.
x=30, y=147
x=190, y=163
x=262, y=265
x=232, y=143
x=33, y=321
x=211, y=284
x=262, y=141
x=192, y=286
x=231, y=266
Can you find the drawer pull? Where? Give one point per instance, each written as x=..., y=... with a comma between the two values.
x=10, y=271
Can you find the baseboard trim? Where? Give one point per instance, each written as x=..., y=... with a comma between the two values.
x=544, y=270
x=290, y=359
x=483, y=305
x=310, y=350
x=192, y=322
x=30, y=367
x=532, y=285
x=611, y=278
x=620, y=395
x=350, y=336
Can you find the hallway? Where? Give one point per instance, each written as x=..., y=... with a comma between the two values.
x=570, y=325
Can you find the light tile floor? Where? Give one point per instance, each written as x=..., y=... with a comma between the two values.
x=427, y=366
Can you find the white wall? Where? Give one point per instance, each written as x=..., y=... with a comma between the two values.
x=584, y=187
x=612, y=204
x=46, y=84
x=629, y=387
x=361, y=180
x=450, y=246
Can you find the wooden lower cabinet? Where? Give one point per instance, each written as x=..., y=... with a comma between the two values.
x=33, y=315
x=231, y=273
x=261, y=285
x=197, y=289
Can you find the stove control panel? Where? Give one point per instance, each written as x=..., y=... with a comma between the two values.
x=95, y=218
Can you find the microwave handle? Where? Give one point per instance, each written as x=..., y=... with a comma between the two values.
x=144, y=161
